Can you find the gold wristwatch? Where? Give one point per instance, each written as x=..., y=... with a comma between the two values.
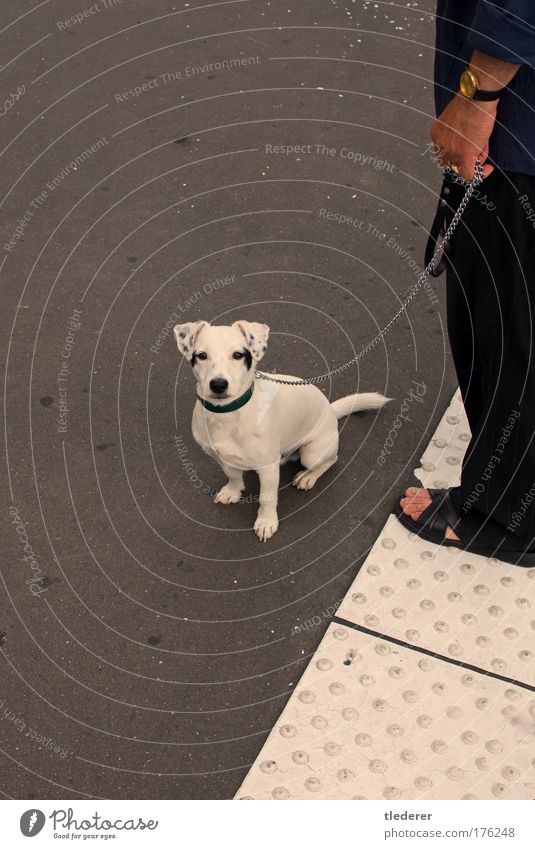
x=469, y=87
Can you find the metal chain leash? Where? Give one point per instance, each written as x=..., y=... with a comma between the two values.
x=471, y=186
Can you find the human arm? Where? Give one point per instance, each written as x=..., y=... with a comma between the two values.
x=501, y=38
x=463, y=130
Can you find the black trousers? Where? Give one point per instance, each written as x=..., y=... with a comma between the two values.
x=491, y=321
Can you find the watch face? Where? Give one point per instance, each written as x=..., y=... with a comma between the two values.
x=468, y=84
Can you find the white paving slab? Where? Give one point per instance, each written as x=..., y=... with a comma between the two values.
x=476, y=610
x=440, y=465
x=462, y=606
x=374, y=720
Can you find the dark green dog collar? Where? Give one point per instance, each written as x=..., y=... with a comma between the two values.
x=228, y=408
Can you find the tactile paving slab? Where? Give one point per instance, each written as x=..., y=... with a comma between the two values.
x=374, y=720
x=440, y=465
x=472, y=609
x=476, y=610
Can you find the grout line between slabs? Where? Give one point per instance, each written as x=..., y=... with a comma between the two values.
x=421, y=650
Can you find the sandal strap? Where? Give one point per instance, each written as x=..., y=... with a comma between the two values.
x=449, y=512
x=441, y=514
x=431, y=519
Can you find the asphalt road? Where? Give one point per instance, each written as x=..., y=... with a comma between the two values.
x=150, y=641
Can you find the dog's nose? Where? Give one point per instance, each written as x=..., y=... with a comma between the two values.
x=219, y=385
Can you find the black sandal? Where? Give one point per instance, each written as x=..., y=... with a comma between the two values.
x=432, y=524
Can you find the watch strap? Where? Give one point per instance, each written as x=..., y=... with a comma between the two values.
x=482, y=94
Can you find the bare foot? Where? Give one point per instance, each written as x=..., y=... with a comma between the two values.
x=415, y=502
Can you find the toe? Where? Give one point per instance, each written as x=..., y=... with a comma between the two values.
x=420, y=503
x=415, y=514
x=265, y=530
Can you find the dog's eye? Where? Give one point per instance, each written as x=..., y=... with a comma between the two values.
x=202, y=356
x=238, y=355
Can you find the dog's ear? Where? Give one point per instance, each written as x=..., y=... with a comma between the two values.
x=186, y=334
x=256, y=337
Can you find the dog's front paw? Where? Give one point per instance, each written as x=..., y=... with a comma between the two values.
x=228, y=495
x=265, y=526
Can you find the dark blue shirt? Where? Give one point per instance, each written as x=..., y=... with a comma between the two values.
x=504, y=29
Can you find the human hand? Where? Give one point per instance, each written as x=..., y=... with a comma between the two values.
x=462, y=132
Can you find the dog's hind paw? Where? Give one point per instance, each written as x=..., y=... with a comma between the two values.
x=228, y=495
x=266, y=527
x=305, y=479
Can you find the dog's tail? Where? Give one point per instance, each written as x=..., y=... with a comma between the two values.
x=359, y=401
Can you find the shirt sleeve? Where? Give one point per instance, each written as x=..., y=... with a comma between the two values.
x=505, y=29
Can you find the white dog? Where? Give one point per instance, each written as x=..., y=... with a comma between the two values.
x=246, y=423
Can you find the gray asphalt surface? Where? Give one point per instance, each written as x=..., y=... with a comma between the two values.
x=150, y=641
